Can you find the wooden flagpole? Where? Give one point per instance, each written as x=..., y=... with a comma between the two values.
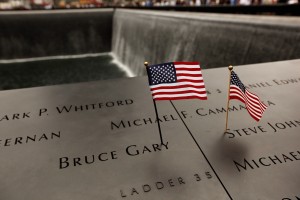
x=158, y=123
x=230, y=69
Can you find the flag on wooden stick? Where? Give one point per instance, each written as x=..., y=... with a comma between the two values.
x=254, y=105
x=175, y=81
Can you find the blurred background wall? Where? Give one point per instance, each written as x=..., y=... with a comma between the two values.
x=35, y=34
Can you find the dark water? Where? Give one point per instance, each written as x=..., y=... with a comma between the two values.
x=58, y=71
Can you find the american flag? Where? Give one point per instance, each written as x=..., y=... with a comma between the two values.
x=176, y=80
x=253, y=104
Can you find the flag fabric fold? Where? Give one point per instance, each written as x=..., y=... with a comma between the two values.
x=176, y=80
x=238, y=91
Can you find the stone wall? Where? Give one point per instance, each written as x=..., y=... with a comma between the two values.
x=25, y=34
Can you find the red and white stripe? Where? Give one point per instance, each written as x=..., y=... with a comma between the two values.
x=253, y=104
x=189, y=85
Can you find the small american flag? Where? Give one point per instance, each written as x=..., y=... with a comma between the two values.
x=253, y=104
x=176, y=80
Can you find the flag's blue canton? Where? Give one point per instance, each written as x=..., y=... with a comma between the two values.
x=162, y=73
x=236, y=81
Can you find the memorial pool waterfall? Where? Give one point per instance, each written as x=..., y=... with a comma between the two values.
x=127, y=38
x=216, y=40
